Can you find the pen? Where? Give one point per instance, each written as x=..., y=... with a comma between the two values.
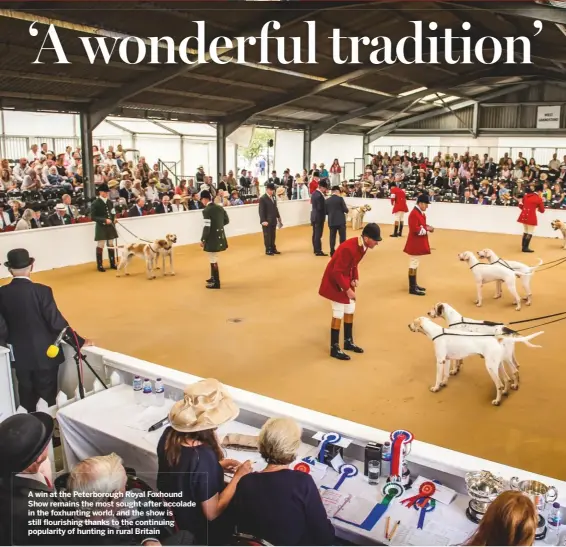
x=394, y=530
x=159, y=424
x=387, y=527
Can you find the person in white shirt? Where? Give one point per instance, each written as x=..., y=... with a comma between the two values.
x=151, y=193
x=109, y=160
x=177, y=205
x=25, y=222
x=31, y=181
x=302, y=189
x=5, y=219
x=34, y=153
x=21, y=170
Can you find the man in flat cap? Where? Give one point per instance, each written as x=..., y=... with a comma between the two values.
x=102, y=212
x=417, y=244
x=213, y=239
x=339, y=284
x=33, y=323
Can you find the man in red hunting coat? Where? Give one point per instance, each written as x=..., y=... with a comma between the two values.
x=417, y=244
x=529, y=205
x=399, y=202
x=339, y=284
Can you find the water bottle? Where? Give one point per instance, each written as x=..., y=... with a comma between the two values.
x=159, y=392
x=138, y=393
x=386, y=460
x=147, y=393
x=553, y=522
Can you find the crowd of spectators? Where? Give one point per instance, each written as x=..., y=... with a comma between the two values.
x=46, y=189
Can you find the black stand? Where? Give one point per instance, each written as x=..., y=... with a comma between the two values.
x=78, y=357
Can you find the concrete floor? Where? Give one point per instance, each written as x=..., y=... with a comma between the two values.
x=280, y=346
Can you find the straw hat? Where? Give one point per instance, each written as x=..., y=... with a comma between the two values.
x=206, y=405
x=113, y=183
x=177, y=197
x=543, y=176
x=60, y=207
x=280, y=191
x=14, y=201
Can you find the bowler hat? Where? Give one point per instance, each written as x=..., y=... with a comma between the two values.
x=372, y=231
x=18, y=259
x=103, y=187
x=205, y=194
x=270, y=186
x=23, y=437
x=323, y=184
x=423, y=198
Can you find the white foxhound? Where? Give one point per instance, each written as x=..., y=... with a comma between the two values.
x=527, y=271
x=486, y=273
x=453, y=344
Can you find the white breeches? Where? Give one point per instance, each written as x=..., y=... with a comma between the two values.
x=399, y=216
x=414, y=261
x=528, y=229
x=213, y=258
x=339, y=309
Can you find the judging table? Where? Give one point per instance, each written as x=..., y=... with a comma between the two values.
x=111, y=421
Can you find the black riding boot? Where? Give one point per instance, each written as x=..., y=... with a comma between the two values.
x=211, y=279
x=112, y=259
x=395, y=231
x=215, y=278
x=99, y=266
x=417, y=285
x=413, y=283
x=401, y=229
x=348, y=335
x=527, y=242
x=335, y=350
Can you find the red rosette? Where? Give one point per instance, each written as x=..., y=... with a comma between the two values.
x=303, y=467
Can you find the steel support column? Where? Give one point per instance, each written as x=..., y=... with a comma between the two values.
x=86, y=153
x=475, y=120
x=220, y=151
x=365, y=150
x=307, y=143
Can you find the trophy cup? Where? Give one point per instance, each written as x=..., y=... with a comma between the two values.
x=483, y=487
x=540, y=495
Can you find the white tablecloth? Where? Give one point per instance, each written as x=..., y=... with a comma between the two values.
x=110, y=421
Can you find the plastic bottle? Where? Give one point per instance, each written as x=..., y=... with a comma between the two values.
x=159, y=392
x=386, y=460
x=138, y=387
x=553, y=522
x=147, y=398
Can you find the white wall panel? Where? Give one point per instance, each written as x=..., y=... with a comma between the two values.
x=163, y=148
x=330, y=146
x=288, y=151
x=195, y=153
x=38, y=123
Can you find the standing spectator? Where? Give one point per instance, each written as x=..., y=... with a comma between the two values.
x=25, y=222
x=190, y=443
x=274, y=179
x=301, y=191
x=318, y=217
x=280, y=505
x=287, y=182
x=323, y=171
x=336, y=210
x=231, y=182
x=29, y=307
x=335, y=171
x=199, y=176
x=245, y=182
x=269, y=218
x=262, y=166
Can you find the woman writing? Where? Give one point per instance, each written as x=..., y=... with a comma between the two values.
x=191, y=461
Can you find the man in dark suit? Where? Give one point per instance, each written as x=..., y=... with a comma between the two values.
x=269, y=218
x=24, y=447
x=287, y=181
x=137, y=209
x=164, y=206
x=336, y=210
x=33, y=323
x=318, y=216
x=274, y=179
x=60, y=216
x=194, y=203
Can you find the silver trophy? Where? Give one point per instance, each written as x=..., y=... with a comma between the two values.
x=483, y=487
x=540, y=495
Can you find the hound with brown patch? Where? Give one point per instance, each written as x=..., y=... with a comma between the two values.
x=559, y=225
x=356, y=216
x=453, y=344
x=150, y=253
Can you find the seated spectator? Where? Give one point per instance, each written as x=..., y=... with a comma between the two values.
x=164, y=206
x=177, y=205
x=137, y=210
x=72, y=211
x=222, y=184
x=235, y=198
x=114, y=191
x=24, y=448
x=137, y=189
x=105, y=475
x=60, y=217
x=165, y=184
x=99, y=176
x=280, y=505
x=190, y=444
x=126, y=191
x=5, y=219
x=182, y=188
x=195, y=203
x=20, y=171
x=25, y=221
x=509, y=520
x=151, y=193
x=221, y=199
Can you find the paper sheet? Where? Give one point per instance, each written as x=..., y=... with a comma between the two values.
x=443, y=494
x=333, y=500
x=356, y=510
x=149, y=416
x=343, y=442
x=406, y=535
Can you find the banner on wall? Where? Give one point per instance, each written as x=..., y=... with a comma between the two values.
x=548, y=117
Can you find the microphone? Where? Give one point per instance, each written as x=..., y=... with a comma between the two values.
x=53, y=349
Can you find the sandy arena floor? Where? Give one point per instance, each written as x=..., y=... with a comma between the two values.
x=280, y=347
